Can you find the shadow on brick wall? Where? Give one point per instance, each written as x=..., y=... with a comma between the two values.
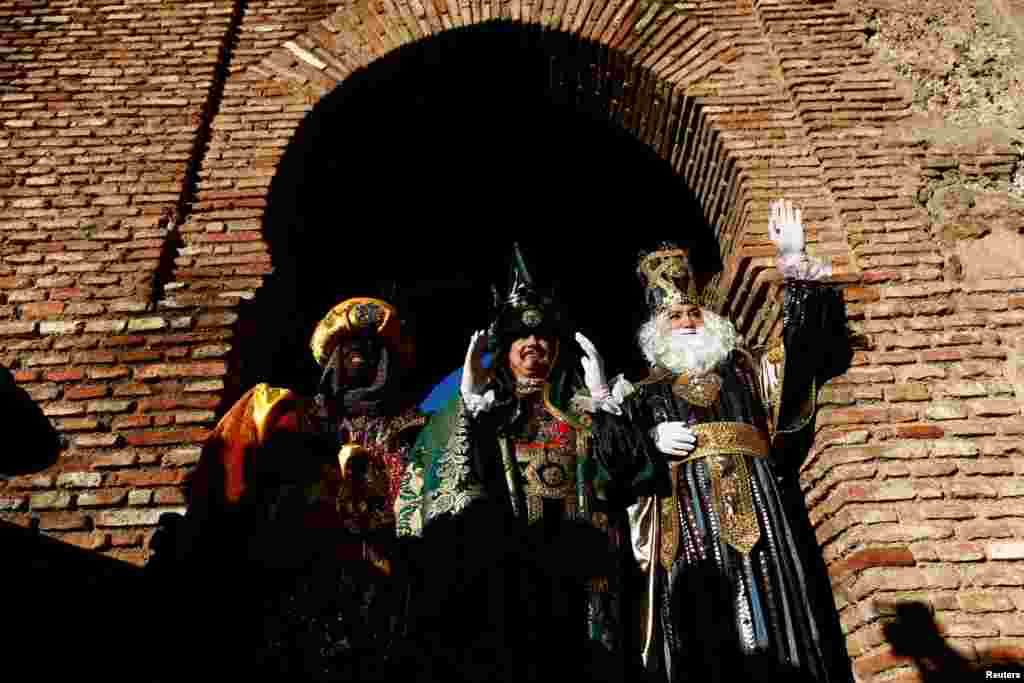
x=916, y=638
x=37, y=444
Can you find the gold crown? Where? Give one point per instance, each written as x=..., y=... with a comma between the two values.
x=351, y=317
x=668, y=278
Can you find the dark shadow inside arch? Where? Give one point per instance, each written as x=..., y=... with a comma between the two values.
x=424, y=167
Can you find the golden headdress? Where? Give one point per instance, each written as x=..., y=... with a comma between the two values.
x=668, y=277
x=360, y=316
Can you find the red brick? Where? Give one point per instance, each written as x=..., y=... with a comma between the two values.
x=154, y=438
x=919, y=432
x=169, y=496
x=42, y=309
x=94, y=357
x=877, y=557
x=124, y=538
x=138, y=357
x=148, y=405
x=203, y=369
x=87, y=540
x=181, y=457
x=877, y=663
x=102, y=497
x=837, y=416
x=108, y=373
x=63, y=521
x=960, y=552
x=161, y=477
x=131, y=421
x=120, y=518
x=85, y=391
x=868, y=374
x=216, y=320
x=117, y=459
x=124, y=340
x=1009, y=650
x=132, y=556
x=71, y=375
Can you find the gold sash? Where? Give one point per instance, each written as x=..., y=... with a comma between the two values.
x=725, y=446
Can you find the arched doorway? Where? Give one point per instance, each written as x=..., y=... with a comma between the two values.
x=423, y=168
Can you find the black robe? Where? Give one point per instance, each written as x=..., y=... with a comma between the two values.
x=719, y=613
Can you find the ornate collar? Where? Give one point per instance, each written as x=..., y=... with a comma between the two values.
x=529, y=385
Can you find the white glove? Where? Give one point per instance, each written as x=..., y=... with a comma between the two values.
x=673, y=438
x=593, y=368
x=474, y=375
x=786, y=228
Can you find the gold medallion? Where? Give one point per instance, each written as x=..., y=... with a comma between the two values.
x=700, y=390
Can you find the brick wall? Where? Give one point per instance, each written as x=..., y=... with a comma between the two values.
x=133, y=193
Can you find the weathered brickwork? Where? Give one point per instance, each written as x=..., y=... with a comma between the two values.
x=139, y=141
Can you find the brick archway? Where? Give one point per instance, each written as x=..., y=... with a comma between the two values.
x=662, y=74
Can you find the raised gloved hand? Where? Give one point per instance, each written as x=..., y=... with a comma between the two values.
x=786, y=228
x=593, y=368
x=674, y=438
x=474, y=375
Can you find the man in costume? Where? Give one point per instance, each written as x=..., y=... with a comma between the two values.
x=297, y=495
x=524, y=531
x=732, y=589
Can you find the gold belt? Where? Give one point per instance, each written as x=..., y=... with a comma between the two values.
x=725, y=446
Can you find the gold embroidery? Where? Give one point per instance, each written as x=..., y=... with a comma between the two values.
x=669, y=522
x=733, y=438
x=456, y=488
x=733, y=500
x=700, y=390
x=551, y=475
x=725, y=446
x=407, y=420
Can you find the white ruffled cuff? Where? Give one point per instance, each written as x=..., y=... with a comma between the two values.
x=582, y=403
x=610, y=400
x=803, y=267
x=478, y=403
x=621, y=388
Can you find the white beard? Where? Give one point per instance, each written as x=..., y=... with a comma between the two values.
x=694, y=353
